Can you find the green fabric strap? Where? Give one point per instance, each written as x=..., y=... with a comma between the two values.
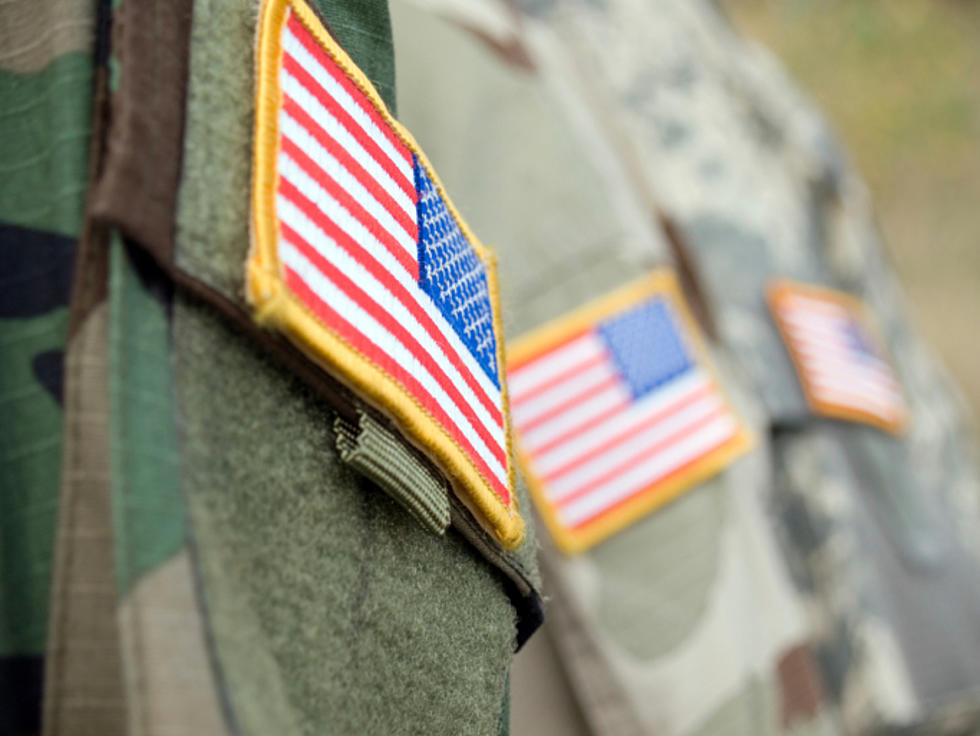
x=375, y=453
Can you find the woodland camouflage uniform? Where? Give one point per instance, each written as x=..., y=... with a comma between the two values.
x=878, y=533
x=219, y=549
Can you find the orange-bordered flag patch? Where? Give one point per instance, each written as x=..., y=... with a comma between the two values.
x=360, y=258
x=840, y=360
x=617, y=411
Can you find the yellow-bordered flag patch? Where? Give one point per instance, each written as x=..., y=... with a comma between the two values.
x=360, y=258
x=617, y=411
x=840, y=360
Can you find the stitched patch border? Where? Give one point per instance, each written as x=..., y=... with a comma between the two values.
x=779, y=293
x=277, y=305
x=661, y=284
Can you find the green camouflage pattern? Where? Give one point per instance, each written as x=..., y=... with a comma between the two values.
x=687, y=622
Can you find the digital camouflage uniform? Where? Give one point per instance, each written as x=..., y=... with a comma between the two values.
x=234, y=543
x=687, y=621
x=879, y=532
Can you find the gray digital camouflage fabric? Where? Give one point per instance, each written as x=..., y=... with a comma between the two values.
x=687, y=622
x=760, y=189
x=879, y=534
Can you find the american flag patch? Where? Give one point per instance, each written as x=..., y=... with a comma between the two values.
x=617, y=411
x=841, y=364
x=360, y=258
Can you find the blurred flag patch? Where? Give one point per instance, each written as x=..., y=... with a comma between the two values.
x=841, y=364
x=616, y=412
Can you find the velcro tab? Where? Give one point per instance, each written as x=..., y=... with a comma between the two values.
x=368, y=447
x=840, y=361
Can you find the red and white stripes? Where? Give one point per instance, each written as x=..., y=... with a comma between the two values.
x=591, y=446
x=837, y=366
x=346, y=202
x=337, y=127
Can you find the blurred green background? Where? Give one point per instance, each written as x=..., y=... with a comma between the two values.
x=900, y=82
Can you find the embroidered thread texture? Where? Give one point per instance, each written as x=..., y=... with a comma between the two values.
x=842, y=368
x=453, y=275
x=367, y=244
x=616, y=416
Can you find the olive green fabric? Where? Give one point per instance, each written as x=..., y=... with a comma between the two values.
x=215, y=181
x=331, y=606
x=376, y=454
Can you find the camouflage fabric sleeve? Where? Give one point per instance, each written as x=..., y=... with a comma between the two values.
x=46, y=61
